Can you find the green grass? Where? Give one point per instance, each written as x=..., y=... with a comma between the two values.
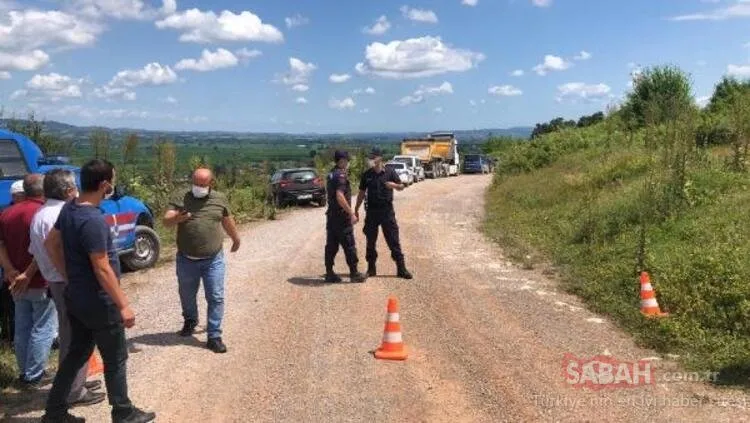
x=581, y=210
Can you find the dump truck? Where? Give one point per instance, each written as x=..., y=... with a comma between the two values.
x=438, y=153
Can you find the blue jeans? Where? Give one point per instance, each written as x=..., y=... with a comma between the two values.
x=36, y=326
x=189, y=274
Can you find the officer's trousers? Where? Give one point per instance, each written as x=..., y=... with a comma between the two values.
x=340, y=232
x=385, y=217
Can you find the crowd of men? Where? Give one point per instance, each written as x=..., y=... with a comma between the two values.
x=62, y=273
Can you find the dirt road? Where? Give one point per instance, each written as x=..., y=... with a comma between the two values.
x=487, y=339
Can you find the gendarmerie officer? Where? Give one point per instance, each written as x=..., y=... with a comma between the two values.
x=378, y=184
x=340, y=220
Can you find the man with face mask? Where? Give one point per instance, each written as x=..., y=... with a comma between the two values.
x=81, y=249
x=340, y=220
x=200, y=215
x=378, y=183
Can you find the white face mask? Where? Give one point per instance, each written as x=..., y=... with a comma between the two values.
x=200, y=192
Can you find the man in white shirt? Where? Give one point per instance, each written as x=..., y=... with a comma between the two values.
x=59, y=187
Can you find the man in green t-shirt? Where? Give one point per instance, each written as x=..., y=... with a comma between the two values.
x=200, y=214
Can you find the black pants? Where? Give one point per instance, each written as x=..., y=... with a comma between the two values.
x=340, y=233
x=100, y=326
x=7, y=314
x=385, y=217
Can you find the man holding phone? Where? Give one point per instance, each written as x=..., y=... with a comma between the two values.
x=200, y=214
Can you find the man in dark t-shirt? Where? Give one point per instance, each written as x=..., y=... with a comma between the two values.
x=97, y=307
x=378, y=184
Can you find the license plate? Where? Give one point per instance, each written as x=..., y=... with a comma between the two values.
x=305, y=197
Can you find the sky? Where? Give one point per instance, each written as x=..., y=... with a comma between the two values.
x=352, y=66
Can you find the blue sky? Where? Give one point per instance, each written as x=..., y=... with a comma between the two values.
x=358, y=65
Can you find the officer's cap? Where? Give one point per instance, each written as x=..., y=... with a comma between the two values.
x=340, y=154
x=376, y=152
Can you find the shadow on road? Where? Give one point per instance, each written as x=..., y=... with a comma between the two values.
x=167, y=339
x=21, y=402
x=311, y=282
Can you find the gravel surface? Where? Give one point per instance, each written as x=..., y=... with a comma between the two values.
x=486, y=339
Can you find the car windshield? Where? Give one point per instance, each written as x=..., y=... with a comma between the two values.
x=395, y=166
x=405, y=160
x=472, y=157
x=12, y=164
x=301, y=175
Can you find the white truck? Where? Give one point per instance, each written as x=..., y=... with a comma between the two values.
x=413, y=164
x=438, y=153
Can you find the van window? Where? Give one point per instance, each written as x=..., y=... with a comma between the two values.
x=472, y=158
x=405, y=160
x=12, y=163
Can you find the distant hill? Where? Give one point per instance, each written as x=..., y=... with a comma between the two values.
x=81, y=133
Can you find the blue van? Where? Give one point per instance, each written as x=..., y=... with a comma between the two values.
x=476, y=163
x=130, y=220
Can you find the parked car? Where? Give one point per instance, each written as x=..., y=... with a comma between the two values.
x=297, y=186
x=476, y=163
x=414, y=165
x=131, y=221
x=406, y=176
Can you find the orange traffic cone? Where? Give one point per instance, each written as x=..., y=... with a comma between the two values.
x=649, y=305
x=95, y=365
x=392, y=347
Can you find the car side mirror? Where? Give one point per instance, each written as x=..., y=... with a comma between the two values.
x=119, y=192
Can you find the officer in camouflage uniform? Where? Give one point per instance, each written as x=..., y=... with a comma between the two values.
x=340, y=220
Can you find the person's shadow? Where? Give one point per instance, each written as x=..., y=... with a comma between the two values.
x=167, y=339
x=316, y=282
x=18, y=401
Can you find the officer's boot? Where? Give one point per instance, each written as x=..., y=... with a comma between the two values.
x=402, y=272
x=371, y=271
x=331, y=276
x=356, y=276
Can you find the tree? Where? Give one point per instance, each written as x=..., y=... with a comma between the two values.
x=727, y=90
x=100, y=144
x=130, y=149
x=660, y=94
x=166, y=158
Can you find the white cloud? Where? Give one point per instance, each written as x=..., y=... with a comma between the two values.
x=365, y=111
x=517, y=73
x=438, y=110
x=110, y=92
x=740, y=9
x=380, y=27
x=339, y=79
x=505, y=91
x=55, y=85
x=207, y=27
x=746, y=45
x=245, y=55
x=739, y=71
x=24, y=61
x=423, y=92
x=296, y=20
x=583, y=55
x=580, y=91
x=121, y=9
x=26, y=30
x=209, y=61
x=551, y=63
x=300, y=88
x=703, y=101
x=471, y=3
x=151, y=74
x=416, y=58
x=18, y=94
x=419, y=15
x=346, y=103
x=299, y=73
x=301, y=100
x=170, y=100
x=541, y=3
x=5, y=75
x=368, y=90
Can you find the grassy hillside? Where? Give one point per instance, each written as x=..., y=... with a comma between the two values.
x=602, y=203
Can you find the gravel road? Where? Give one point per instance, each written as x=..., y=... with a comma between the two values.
x=486, y=338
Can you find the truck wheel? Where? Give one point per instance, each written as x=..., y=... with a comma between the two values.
x=146, y=249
